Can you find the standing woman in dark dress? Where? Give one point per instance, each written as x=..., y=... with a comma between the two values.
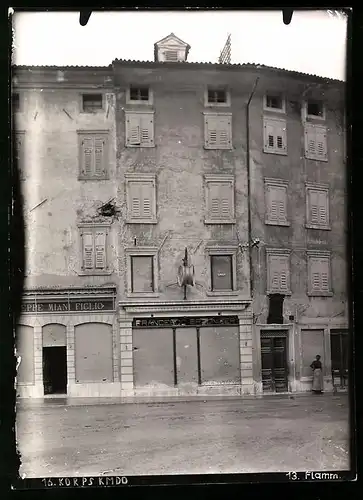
x=317, y=375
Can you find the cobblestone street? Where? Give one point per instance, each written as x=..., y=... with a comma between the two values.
x=58, y=437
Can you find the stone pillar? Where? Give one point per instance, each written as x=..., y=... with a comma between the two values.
x=71, y=366
x=126, y=358
x=328, y=382
x=38, y=359
x=245, y=332
x=115, y=351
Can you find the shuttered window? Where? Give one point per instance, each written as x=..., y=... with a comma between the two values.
x=141, y=198
x=275, y=137
x=316, y=142
x=317, y=207
x=139, y=129
x=218, y=131
x=319, y=273
x=276, y=202
x=94, y=252
x=142, y=273
x=219, y=199
x=221, y=272
x=93, y=155
x=19, y=153
x=278, y=272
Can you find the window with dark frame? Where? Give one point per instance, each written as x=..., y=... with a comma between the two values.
x=217, y=95
x=142, y=273
x=221, y=272
x=92, y=102
x=315, y=108
x=15, y=102
x=274, y=101
x=139, y=93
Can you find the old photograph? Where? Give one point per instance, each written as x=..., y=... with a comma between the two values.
x=186, y=298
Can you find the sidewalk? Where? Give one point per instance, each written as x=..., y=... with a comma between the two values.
x=65, y=401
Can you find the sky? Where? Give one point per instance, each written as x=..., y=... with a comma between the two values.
x=314, y=42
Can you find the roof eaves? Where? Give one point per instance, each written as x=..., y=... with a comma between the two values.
x=227, y=66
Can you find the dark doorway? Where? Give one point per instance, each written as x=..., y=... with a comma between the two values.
x=276, y=306
x=339, y=357
x=274, y=364
x=55, y=370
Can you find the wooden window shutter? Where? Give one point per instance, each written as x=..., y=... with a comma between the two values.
x=220, y=200
x=276, y=200
x=323, y=208
x=147, y=129
x=284, y=274
x=88, y=251
x=314, y=207
x=87, y=155
x=275, y=136
x=318, y=207
x=279, y=273
x=133, y=130
x=269, y=134
x=223, y=124
x=321, y=142
x=316, y=142
x=146, y=192
x=99, y=149
x=134, y=196
x=211, y=138
x=100, y=250
x=319, y=274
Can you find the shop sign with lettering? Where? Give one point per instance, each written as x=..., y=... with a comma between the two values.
x=43, y=305
x=185, y=321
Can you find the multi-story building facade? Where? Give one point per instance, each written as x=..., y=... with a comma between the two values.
x=185, y=227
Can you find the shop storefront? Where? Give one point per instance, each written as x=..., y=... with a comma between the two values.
x=284, y=353
x=67, y=343
x=176, y=349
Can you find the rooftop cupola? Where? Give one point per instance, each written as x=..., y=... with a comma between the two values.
x=171, y=49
